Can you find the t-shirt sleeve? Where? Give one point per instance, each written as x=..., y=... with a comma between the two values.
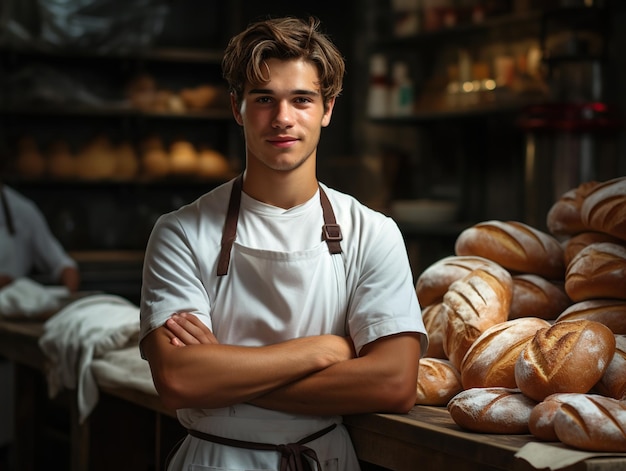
x=384, y=300
x=171, y=279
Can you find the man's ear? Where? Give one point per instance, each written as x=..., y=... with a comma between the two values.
x=328, y=112
x=235, y=108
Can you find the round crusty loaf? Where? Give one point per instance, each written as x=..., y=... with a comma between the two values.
x=597, y=271
x=516, y=246
x=604, y=208
x=534, y=296
x=438, y=381
x=610, y=312
x=473, y=304
x=435, y=320
x=490, y=361
x=613, y=381
x=592, y=422
x=564, y=217
x=435, y=280
x=541, y=420
x=569, y=356
x=576, y=243
x=491, y=410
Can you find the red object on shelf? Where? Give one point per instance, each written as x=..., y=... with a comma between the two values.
x=570, y=117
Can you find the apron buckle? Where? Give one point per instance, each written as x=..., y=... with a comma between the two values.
x=332, y=232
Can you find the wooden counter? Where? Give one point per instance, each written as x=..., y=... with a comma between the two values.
x=426, y=438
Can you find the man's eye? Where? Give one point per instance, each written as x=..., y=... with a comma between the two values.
x=303, y=99
x=264, y=99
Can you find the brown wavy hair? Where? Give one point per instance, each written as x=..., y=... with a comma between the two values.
x=282, y=38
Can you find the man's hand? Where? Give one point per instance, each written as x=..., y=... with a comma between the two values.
x=186, y=329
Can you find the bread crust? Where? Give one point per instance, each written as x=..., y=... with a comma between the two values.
x=576, y=243
x=491, y=410
x=541, y=420
x=516, y=246
x=564, y=216
x=604, y=208
x=610, y=312
x=438, y=381
x=613, y=381
x=534, y=296
x=554, y=358
x=473, y=304
x=597, y=271
x=490, y=361
x=435, y=320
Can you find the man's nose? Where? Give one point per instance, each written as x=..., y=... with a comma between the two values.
x=283, y=117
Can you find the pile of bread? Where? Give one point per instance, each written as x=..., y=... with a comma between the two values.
x=527, y=328
x=103, y=159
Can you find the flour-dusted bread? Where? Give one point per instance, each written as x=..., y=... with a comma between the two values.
x=613, y=381
x=435, y=320
x=473, y=304
x=490, y=361
x=435, y=280
x=604, y=208
x=592, y=422
x=491, y=410
x=514, y=245
x=564, y=217
x=438, y=381
x=610, y=312
x=597, y=271
x=569, y=356
x=576, y=243
x=541, y=420
x=534, y=296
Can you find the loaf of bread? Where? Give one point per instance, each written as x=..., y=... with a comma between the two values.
x=541, y=420
x=610, y=312
x=534, y=296
x=597, y=271
x=435, y=320
x=473, y=304
x=592, y=422
x=438, y=381
x=569, y=356
x=576, y=243
x=492, y=410
x=516, y=246
x=490, y=361
x=564, y=217
x=613, y=381
x=604, y=208
x=435, y=280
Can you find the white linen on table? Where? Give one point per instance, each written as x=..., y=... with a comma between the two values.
x=83, y=330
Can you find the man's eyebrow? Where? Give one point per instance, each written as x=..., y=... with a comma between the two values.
x=267, y=91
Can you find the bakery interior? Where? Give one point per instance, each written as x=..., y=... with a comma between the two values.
x=453, y=113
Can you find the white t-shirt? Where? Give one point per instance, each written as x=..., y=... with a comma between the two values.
x=182, y=253
x=33, y=246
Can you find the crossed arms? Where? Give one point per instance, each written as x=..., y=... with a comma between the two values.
x=318, y=375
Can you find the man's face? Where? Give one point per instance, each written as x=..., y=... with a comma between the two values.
x=282, y=118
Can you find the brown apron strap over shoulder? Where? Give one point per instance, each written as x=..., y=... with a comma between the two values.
x=331, y=232
x=292, y=455
x=230, y=226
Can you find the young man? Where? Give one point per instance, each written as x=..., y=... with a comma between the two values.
x=273, y=305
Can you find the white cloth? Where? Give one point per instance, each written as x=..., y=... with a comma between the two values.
x=83, y=330
x=270, y=295
x=123, y=368
x=32, y=246
x=27, y=298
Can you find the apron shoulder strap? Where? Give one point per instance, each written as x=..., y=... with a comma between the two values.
x=331, y=232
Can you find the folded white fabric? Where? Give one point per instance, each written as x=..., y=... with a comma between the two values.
x=27, y=298
x=124, y=369
x=83, y=330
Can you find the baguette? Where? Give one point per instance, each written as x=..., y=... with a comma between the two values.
x=597, y=271
x=516, y=246
x=569, y=356
x=492, y=410
x=604, y=208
